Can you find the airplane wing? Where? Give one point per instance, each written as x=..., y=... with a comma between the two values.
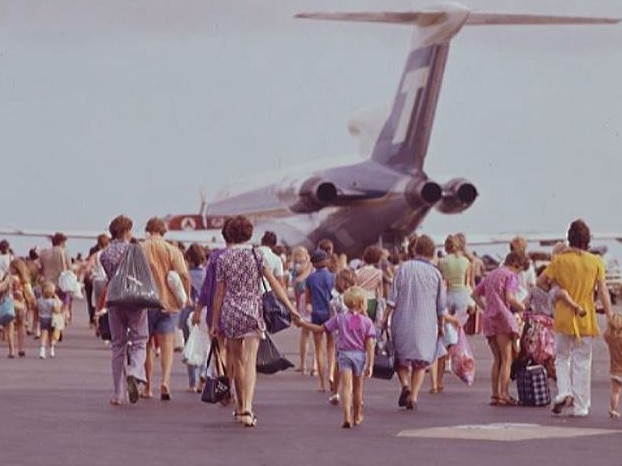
x=211, y=238
x=543, y=239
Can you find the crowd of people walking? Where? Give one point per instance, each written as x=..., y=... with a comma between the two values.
x=422, y=300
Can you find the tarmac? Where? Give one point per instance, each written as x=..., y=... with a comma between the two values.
x=56, y=412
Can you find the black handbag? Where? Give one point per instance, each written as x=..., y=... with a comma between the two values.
x=275, y=314
x=270, y=359
x=216, y=387
x=384, y=357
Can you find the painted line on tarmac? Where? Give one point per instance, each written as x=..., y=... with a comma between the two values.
x=504, y=432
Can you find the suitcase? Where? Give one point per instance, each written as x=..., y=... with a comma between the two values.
x=533, y=386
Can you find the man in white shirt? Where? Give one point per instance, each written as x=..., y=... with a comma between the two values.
x=274, y=262
x=5, y=257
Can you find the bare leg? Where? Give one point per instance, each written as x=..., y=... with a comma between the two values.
x=416, y=380
x=616, y=387
x=148, y=391
x=346, y=397
x=504, y=346
x=319, y=359
x=250, y=346
x=440, y=368
x=357, y=390
x=330, y=356
x=304, y=341
x=234, y=361
x=9, y=330
x=495, y=369
x=167, y=343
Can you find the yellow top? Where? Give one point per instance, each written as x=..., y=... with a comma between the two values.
x=454, y=269
x=577, y=272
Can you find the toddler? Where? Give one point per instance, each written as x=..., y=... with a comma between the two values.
x=613, y=338
x=356, y=338
x=48, y=305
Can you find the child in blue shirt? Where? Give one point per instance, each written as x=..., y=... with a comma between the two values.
x=318, y=291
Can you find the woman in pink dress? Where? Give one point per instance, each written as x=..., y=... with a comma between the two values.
x=498, y=290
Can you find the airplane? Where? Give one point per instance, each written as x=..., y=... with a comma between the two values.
x=385, y=198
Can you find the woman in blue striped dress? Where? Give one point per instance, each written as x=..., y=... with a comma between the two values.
x=416, y=307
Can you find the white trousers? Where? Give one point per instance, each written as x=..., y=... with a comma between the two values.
x=573, y=364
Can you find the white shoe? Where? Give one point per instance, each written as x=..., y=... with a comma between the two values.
x=52, y=353
x=334, y=399
x=42, y=353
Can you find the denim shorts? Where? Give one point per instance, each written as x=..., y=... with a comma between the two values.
x=162, y=322
x=45, y=323
x=319, y=319
x=351, y=361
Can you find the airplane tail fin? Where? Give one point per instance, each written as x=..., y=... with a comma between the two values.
x=403, y=141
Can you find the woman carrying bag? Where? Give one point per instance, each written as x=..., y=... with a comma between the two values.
x=237, y=311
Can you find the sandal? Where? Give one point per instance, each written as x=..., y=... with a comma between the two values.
x=509, y=401
x=613, y=414
x=248, y=419
x=494, y=400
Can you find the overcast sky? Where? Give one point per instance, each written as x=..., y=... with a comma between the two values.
x=117, y=106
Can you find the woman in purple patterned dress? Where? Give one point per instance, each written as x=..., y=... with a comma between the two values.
x=237, y=310
x=500, y=326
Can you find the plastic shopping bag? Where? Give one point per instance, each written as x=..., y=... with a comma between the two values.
x=462, y=361
x=132, y=285
x=197, y=347
x=270, y=359
x=173, y=280
x=69, y=283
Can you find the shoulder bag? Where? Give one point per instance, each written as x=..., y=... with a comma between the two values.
x=275, y=314
x=384, y=357
x=7, y=306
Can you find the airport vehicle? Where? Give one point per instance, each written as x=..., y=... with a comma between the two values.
x=385, y=198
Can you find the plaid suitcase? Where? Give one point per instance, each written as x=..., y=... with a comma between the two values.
x=533, y=386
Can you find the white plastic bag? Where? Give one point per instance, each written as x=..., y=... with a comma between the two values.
x=173, y=280
x=197, y=346
x=69, y=283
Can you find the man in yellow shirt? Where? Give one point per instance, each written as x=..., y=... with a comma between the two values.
x=580, y=274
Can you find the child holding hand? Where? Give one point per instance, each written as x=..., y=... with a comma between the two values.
x=613, y=338
x=356, y=339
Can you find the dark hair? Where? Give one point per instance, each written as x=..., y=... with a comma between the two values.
x=119, y=226
x=195, y=255
x=517, y=259
x=58, y=239
x=344, y=279
x=239, y=229
x=4, y=247
x=269, y=239
x=579, y=235
x=156, y=225
x=223, y=230
x=372, y=254
x=425, y=247
x=103, y=240
x=326, y=245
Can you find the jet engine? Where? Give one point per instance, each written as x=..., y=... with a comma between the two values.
x=314, y=194
x=421, y=191
x=458, y=195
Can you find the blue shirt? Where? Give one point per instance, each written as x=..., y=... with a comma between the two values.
x=320, y=284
